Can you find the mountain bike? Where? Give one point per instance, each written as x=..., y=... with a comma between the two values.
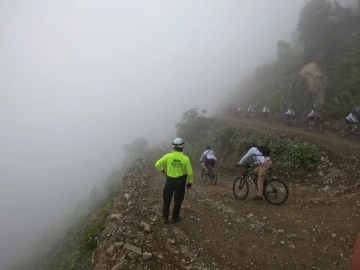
x=276, y=192
x=211, y=174
x=317, y=124
x=266, y=118
x=350, y=131
x=291, y=121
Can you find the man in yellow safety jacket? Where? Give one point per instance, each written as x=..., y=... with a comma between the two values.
x=178, y=169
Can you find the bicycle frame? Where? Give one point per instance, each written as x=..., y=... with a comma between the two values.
x=210, y=171
x=253, y=176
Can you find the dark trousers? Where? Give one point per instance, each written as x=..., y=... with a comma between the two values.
x=177, y=186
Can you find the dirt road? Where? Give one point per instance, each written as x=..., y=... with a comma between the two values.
x=328, y=140
x=315, y=229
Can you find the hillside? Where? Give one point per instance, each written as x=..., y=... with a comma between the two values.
x=219, y=232
x=320, y=64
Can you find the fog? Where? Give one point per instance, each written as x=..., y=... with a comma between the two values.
x=79, y=79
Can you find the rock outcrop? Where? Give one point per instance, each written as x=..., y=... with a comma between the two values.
x=316, y=81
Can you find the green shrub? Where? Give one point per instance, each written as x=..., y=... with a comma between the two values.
x=232, y=139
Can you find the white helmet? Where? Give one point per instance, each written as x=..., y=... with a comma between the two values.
x=178, y=142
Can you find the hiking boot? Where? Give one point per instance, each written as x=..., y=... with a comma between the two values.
x=176, y=220
x=258, y=198
x=165, y=220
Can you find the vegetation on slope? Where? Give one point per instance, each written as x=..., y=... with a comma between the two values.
x=73, y=251
x=328, y=35
x=232, y=138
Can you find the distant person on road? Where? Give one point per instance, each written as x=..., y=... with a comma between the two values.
x=351, y=119
x=266, y=112
x=208, y=158
x=312, y=116
x=178, y=169
x=230, y=111
x=240, y=112
x=262, y=158
x=289, y=114
x=250, y=111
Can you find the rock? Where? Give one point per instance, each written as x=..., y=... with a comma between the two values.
x=330, y=181
x=110, y=250
x=280, y=230
x=132, y=255
x=127, y=196
x=147, y=256
x=132, y=248
x=321, y=173
x=356, y=108
x=115, y=216
x=326, y=188
x=145, y=226
x=291, y=246
x=250, y=215
x=171, y=241
x=333, y=235
x=119, y=265
x=119, y=244
x=316, y=81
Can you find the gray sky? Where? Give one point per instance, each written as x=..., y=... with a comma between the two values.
x=79, y=79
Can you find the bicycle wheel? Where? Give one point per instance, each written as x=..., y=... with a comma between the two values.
x=356, y=134
x=203, y=175
x=306, y=125
x=213, y=176
x=240, y=188
x=276, y=192
x=345, y=131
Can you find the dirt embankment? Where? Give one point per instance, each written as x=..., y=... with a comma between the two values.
x=314, y=229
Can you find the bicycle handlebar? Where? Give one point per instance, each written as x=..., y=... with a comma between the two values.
x=244, y=166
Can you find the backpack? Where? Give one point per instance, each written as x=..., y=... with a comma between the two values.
x=264, y=150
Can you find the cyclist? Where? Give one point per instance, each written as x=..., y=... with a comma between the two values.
x=179, y=169
x=312, y=116
x=351, y=119
x=289, y=114
x=240, y=112
x=266, y=112
x=264, y=163
x=250, y=111
x=208, y=158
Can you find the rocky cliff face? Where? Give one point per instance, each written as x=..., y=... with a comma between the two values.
x=316, y=82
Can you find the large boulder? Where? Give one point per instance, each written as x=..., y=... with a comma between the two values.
x=316, y=81
x=356, y=108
